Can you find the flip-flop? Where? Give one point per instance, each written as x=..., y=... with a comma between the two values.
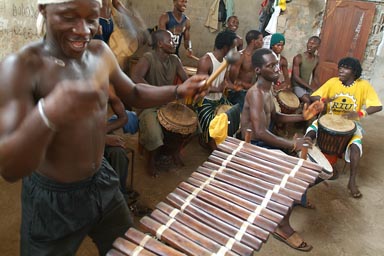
x=294, y=241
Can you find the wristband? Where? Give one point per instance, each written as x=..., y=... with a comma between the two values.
x=176, y=94
x=362, y=113
x=323, y=100
x=47, y=122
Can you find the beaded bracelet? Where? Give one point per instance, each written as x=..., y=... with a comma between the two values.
x=362, y=113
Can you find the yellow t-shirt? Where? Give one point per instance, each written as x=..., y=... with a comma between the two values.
x=346, y=99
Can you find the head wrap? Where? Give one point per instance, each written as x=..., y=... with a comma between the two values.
x=277, y=38
x=40, y=23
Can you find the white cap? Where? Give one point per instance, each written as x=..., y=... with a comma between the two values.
x=40, y=23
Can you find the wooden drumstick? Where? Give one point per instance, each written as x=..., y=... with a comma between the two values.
x=304, y=151
x=247, y=137
x=208, y=231
x=194, y=57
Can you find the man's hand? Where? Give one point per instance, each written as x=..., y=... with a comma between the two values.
x=194, y=87
x=302, y=141
x=74, y=100
x=314, y=109
x=114, y=141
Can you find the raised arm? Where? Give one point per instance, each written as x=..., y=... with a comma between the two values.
x=187, y=38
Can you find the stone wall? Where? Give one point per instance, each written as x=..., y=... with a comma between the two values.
x=17, y=24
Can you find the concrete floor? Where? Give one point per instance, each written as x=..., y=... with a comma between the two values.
x=340, y=225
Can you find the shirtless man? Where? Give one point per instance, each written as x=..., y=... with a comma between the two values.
x=242, y=73
x=258, y=115
x=106, y=21
x=52, y=130
x=304, y=67
x=179, y=24
x=233, y=25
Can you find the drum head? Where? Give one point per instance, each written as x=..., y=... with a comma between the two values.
x=190, y=70
x=315, y=155
x=177, y=118
x=337, y=123
x=288, y=98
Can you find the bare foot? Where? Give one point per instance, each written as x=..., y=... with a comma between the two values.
x=177, y=160
x=355, y=192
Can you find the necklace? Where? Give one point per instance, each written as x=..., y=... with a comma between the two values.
x=352, y=84
x=58, y=61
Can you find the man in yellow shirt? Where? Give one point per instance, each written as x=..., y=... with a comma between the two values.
x=354, y=98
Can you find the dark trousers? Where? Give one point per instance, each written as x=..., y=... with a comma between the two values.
x=56, y=217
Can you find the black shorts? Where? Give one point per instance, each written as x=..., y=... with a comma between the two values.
x=56, y=217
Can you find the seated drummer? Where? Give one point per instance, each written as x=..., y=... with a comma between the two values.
x=259, y=113
x=208, y=64
x=157, y=67
x=354, y=98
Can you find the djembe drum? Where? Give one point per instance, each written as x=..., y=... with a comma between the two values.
x=288, y=101
x=190, y=70
x=334, y=134
x=178, y=123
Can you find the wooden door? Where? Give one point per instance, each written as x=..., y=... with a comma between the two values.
x=345, y=31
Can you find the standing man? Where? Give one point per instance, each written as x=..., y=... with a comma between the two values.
x=208, y=64
x=259, y=114
x=53, y=117
x=242, y=73
x=354, y=98
x=130, y=18
x=304, y=68
x=179, y=24
x=158, y=67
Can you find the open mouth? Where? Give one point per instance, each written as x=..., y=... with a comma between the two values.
x=79, y=45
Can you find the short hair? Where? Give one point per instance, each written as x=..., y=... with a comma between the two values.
x=316, y=38
x=258, y=57
x=224, y=38
x=252, y=35
x=353, y=64
x=158, y=36
x=232, y=17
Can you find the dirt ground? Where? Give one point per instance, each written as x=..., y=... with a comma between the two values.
x=340, y=225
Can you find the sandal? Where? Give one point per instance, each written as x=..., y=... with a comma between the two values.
x=294, y=241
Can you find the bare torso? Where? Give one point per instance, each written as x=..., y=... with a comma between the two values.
x=254, y=96
x=106, y=9
x=246, y=72
x=76, y=150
